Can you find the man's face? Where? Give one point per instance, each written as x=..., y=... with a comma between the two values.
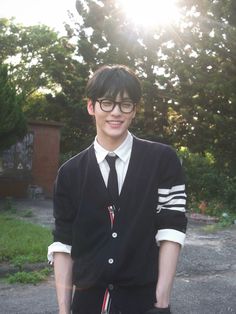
x=111, y=126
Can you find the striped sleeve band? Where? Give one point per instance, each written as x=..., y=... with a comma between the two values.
x=173, y=198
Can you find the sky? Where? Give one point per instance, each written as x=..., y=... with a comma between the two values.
x=54, y=12
x=31, y=12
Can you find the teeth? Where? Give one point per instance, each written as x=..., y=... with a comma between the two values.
x=115, y=122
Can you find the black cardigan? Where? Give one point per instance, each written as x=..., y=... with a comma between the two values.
x=128, y=254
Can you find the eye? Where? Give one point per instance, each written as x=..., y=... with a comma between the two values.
x=107, y=103
x=126, y=104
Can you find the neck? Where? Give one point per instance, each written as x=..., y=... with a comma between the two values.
x=111, y=144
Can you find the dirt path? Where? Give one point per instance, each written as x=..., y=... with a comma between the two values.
x=206, y=278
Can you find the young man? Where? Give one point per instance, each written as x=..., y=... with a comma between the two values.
x=119, y=220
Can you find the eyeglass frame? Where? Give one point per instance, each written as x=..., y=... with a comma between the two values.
x=115, y=103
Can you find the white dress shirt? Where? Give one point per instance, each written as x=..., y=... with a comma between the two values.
x=122, y=162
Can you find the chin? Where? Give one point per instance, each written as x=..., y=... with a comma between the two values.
x=116, y=134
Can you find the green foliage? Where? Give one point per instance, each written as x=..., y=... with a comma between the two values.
x=22, y=241
x=206, y=89
x=229, y=194
x=226, y=218
x=43, y=65
x=205, y=181
x=12, y=120
x=35, y=55
x=188, y=73
x=29, y=277
x=20, y=260
x=201, y=174
x=66, y=156
x=112, y=38
x=193, y=103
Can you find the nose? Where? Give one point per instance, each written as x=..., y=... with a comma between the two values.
x=116, y=110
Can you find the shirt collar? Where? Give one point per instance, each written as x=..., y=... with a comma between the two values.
x=123, y=151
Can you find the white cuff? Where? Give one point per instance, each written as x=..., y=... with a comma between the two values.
x=57, y=247
x=170, y=235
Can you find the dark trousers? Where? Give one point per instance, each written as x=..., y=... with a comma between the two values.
x=124, y=300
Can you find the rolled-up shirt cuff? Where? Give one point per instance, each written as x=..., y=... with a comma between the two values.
x=57, y=247
x=170, y=235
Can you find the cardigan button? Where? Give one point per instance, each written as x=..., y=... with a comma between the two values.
x=110, y=287
x=114, y=235
x=111, y=261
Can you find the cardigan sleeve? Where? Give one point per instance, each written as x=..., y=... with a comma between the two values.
x=171, y=219
x=63, y=209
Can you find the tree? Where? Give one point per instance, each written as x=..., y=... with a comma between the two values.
x=12, y=120
x=43, y=66
x=37, y=57
x=106, y=36
x=204, y=116
x=188, y=71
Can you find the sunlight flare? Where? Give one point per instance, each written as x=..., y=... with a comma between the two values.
x=151, y=12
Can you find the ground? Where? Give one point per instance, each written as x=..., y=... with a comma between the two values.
x=205, y=281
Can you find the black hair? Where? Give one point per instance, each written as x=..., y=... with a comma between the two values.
x=109, y=81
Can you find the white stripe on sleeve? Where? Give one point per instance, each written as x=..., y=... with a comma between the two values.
x=176, y=188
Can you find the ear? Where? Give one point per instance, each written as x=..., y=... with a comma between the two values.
x=90, y=107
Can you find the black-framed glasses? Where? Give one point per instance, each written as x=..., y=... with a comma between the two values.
x=108, y=105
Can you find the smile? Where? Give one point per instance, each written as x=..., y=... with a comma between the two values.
x=114, y=123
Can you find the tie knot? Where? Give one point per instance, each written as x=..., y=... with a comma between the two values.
x=111, y=160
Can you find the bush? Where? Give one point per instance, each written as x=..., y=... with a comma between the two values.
x=229, y=192
x=205, y=181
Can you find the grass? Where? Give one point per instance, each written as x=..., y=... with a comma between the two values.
x=29, y=277
x=22, y=242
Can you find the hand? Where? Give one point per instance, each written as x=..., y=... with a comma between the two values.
x=159, y=310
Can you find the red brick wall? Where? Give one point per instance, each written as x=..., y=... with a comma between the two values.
x=46, y=150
